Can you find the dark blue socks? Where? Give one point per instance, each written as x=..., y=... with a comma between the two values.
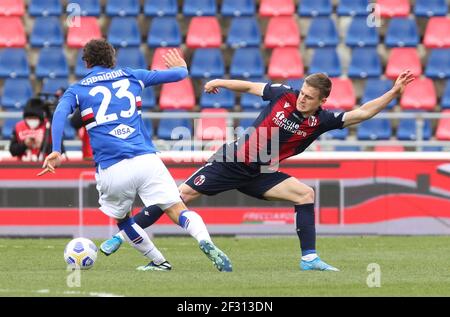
x=148, y=216
x=306, y=228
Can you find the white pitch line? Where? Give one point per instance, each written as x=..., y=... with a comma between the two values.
x=47, y=291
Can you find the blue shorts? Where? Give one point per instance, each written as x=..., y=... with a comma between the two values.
x=216, y=177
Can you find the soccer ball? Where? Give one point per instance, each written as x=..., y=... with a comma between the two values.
x=80, y=253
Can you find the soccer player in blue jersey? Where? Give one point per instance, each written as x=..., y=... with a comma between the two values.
x=286, y=127
x=126, y=164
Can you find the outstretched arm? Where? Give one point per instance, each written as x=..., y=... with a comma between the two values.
x=235, y=85
x=372, y=107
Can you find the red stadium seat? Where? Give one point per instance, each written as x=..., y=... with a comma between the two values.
x=177, y=95
x=282, y=31
x=79, y=35
x=157, y=61
x=443, y=128
x=285, y=63
x=389, y=148
x=212, y=128
x=270, y=8
x=12, y=33
x=420, y=95
x=402, y=58
x=393, y=8
x=204, y=32
x=12, y=8
x=437, y=33
x=342, y=95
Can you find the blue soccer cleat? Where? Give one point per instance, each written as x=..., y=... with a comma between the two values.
x=220, y=259
x=165, y=266
x=110, y=246
x=316, y=264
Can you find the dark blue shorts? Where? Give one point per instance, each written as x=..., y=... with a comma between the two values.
x=216, y=177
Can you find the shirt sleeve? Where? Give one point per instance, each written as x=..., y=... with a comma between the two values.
x=333, y=120
x=156, y=77
x=66, y=106
x=272, y=91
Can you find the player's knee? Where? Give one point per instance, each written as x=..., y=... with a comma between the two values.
x=306, y=196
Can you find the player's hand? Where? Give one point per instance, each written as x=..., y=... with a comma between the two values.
x=173, y=59
x=52, y=161
x=212, y=87
x=402, y=81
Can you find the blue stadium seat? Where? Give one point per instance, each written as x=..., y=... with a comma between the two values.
x=347, y=148
x=8, y=126
x=429, y=8
x=247, y=62
x=51, y=85
x=295, y=83
x=337, y=134
x=44, y=8
x=374, y=129
x=206, y=63
x=375, y=88
x=52, y=63
x=122, y=8
x=238, y=8
x=183, y=128
x=124, y=32
x=360, y=34
x=159, y=8
x=16, y=93
x=199, y=8
x=164, y=31
x=244, y=31
x=148, y=98
x=250, y=102
x=322, y=32
x=80, y=68
x=432, y=149
x=445, y=101
x=131, y=57
x=352, y=7
x=46, y=32
x=224, y=99
x=326, y=60
x=402, y=32
x=86, y=7
x=14, y=63
x=365, y=63
x=407, y=129
x=438, y=65
x=313, y=8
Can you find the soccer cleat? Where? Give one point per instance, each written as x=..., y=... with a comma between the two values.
x=110, y=246
x=220, y=259
x=316, y=264
x=165, y=266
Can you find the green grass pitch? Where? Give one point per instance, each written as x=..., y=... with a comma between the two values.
x=263, y=267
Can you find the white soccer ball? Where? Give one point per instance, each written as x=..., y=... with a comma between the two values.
x=80, y=253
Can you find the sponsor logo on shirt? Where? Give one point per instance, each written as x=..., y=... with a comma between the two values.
x=287, y=124
x=122, y=131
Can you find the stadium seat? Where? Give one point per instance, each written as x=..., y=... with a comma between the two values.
x=51, y=85
x=389, y=148
x=193, y=8
x=402, y=58
x=437, y=33
x=322, y=32
x=393, y=8
x=12, y=7
x=148, y=98
x=80, y=68
x=251, y=102
x=268, y=8
x=313, y=8
x=347, y=148
x=402, y=32
x=374, y=129
x=85, y=8
x=204, y=32
x=52, y=63
x=375, y=88
x=238, y=8
x=124, y=32
x=285, y=62
x=337, y=134
x=78, y=36
x=44, y=8
x=352, y=7
x=365, y=63
x=430, y=8
x=122, y=8
x=164, y=31
x=244, y=31
x=325, y=60
x=224, y=99
x=177, y=95
x=157, y=60
x=131, y=57
x=295, y=83
x=247, y=62
x=420, y=95
x=211, y=128
x=46, y=32
x=206, y=63
x=443, y=127
x=438, y=65
x=13, y=32
x=174, y=128
x=282, y=31
x=16, y=93
x=342, y=96
x=359, y=34
x=407, y=129
x=8, y=126
x=445, y=101
x=160, y=8
x=14, y=63
x=432, y=149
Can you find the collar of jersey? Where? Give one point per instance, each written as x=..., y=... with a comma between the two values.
x=98, y=69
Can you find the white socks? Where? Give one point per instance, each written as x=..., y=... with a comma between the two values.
x=193, y=223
